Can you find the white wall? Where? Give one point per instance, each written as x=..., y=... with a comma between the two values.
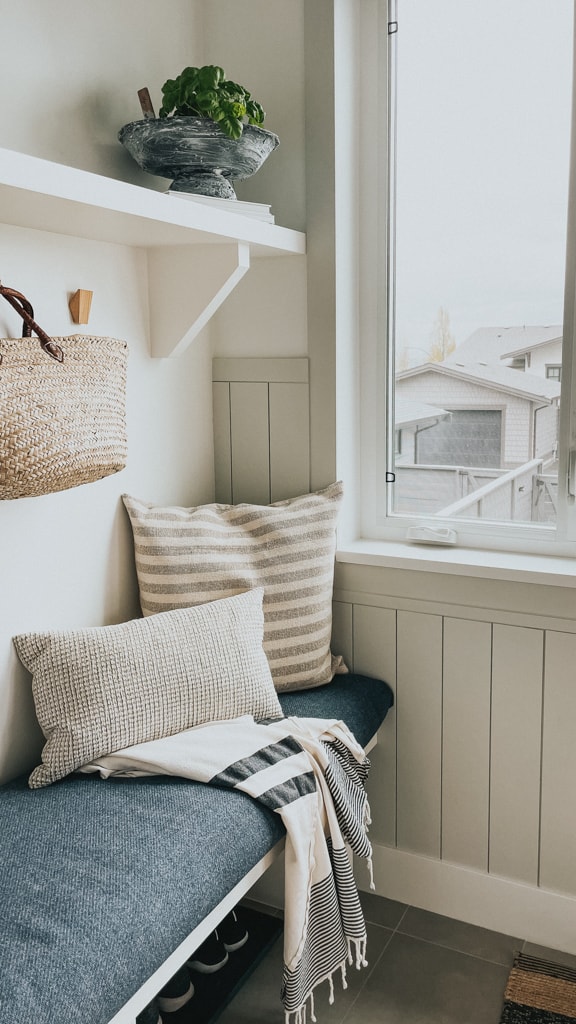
x=260, y=43
x=69, y=81
x=70, y=75
x=266, y=314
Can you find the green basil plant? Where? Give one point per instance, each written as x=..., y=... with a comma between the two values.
x=206, y=92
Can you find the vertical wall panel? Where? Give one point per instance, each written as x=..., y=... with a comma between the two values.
x=466, y=742
x=342, y=631
x=262, y=440
x=419, y=731
x=375, y=642
x=289, y=440
x=375, y=655
x=250, y=442
x=515, y=755
x=558, y=823
x=222, y=448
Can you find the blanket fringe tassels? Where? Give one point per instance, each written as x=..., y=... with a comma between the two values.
x=359, y=946
x=369, y=863
x=356, y=957
x=370, y=867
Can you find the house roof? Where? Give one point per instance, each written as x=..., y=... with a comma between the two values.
x=490, y=344
x=497, y=377
x=539, y=344
x=409, y=412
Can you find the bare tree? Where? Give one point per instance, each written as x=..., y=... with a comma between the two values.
x=443, y=341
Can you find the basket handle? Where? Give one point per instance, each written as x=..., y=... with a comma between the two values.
x=22, y=306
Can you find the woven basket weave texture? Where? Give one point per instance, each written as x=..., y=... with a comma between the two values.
x=61, y=424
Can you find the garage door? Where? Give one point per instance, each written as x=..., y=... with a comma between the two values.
x=471, y=437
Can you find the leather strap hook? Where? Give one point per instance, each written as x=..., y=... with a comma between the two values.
x=24, y=308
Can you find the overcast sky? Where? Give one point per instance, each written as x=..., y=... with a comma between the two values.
x=484, y=96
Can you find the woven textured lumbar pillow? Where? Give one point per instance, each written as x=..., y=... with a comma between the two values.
x=185, y=556
x=99, y=689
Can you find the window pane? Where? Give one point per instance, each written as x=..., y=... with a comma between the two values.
x=483, y=134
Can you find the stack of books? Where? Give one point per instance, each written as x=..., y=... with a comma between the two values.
x=260, y=211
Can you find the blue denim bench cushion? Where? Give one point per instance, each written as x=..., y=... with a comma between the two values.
x=100, y=881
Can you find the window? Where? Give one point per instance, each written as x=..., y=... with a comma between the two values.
x=477, y=326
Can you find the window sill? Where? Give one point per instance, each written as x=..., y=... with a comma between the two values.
x=516, y=567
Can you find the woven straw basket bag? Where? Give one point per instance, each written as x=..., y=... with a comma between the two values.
x=62, y=408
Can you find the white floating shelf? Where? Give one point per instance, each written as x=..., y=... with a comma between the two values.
x=46, y=196
x=40, y=194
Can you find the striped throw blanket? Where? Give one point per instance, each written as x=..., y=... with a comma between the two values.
x=312, y=773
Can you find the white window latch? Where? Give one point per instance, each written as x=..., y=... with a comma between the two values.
x=431, y=535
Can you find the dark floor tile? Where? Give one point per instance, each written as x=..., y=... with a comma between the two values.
x=416, y=982
x=457, y=935
x=379, y=910
x=555, y=955
x=335, y=1013
x=258, y=1001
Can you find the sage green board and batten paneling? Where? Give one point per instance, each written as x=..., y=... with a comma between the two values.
x=494, y=704
x=250, y=448
x=342, y=642
x=466, y=742
x=261, y=430
x=558, y=824
x=516, y=725
x=419, y=731
x=289, y=440
x=374, y=633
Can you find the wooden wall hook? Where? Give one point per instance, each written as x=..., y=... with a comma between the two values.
x=79, y=306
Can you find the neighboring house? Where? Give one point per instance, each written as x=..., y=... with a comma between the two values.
x=410, y=419
x=499, y=417
x=544, y=358
x=521, y=348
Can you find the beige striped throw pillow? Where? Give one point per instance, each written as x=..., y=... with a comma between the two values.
x=186, y=556
x=102, y=688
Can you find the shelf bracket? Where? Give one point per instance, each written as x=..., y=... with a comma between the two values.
x=187, y=284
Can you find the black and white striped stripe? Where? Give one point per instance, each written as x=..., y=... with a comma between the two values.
x=280, y=792
x=325, y=948
x=346, y=778
x=257, y=762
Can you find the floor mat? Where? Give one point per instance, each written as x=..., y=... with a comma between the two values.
x=539, y=992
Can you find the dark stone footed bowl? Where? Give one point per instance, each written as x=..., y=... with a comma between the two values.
x=196, y=153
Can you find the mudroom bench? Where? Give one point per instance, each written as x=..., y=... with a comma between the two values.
x=109, y=886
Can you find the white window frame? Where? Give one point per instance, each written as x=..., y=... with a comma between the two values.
x=374, y=445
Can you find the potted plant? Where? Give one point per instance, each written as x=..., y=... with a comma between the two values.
x=206, y=92
x=209, y=131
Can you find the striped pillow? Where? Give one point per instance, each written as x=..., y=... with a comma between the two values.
x=102, y=688
x=186, y=556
